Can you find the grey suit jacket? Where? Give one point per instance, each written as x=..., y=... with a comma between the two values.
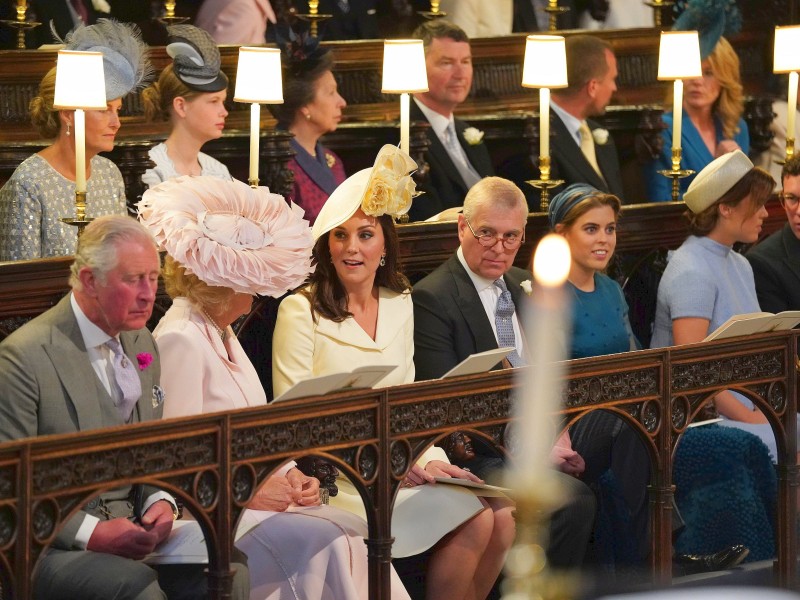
x=776, y=269
x=449, y=320
x=444, y=188
x=48, y=386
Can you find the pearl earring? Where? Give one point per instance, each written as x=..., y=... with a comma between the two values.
x=308, y=116
x=67, y=128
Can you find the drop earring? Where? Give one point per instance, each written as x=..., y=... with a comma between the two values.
x=383, y=260
x=67, y=128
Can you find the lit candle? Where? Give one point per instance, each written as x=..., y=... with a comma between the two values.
x=677, y=113
x=255, y=118
x=539, y=395
x=790, y=114
x=80, y=150
x=405, y=120
x=544, y=121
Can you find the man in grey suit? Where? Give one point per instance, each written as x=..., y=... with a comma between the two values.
x=455, y=160
x=89, y=362
x=455, y=315
x=581, y=151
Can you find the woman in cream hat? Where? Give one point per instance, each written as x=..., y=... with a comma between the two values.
x=41, y=191
x=225, y=243
x=357, y=311
x=190, y=94
x=706, y=282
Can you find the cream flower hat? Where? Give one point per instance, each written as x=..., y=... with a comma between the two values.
x=385, y=189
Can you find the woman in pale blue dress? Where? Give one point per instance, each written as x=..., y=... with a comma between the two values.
x=706, y=282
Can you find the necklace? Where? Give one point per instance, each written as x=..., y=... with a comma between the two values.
x=217, y=328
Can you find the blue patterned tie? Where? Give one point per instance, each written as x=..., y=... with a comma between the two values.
x=127, y=379
x=505, y=326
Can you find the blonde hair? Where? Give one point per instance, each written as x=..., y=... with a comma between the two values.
x=179, y=283
x=730, y=104
x=157, y=98
x=43, y=116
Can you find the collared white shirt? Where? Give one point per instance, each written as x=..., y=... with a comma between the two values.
x=439, y=124
x=101, y=358
x=571, y=122
x=489, y=294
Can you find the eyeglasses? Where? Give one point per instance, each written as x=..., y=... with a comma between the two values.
x=789, y=201
x=510, y=241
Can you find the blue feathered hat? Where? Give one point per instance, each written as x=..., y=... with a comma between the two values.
x=125, y=63
x=711, y=18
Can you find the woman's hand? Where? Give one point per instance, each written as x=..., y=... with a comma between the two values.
x=277, y=494
x=306, y=488
x=438, y=468
x=417, y=476
x=725, y=146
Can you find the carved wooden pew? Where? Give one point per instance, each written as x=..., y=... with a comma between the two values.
x=375, y=436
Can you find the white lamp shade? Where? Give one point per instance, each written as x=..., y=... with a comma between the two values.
x=787, y=49
x=80, y=81
x=545, y=63
x=679, y=55
x=258, y=76
x=404, y=67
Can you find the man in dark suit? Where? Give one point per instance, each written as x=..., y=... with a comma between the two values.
x=457, y=161
x=581, y=151
x=455, y=315
x=89, y=362
x=776, y=260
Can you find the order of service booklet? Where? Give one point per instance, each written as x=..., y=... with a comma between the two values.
x=360, y=378
x=751, y=323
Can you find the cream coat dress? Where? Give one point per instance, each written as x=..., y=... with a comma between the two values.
x=303, y=348
x=315, y=553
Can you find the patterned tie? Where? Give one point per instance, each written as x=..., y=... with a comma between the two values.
x=505, y=327
x=127, y=379
x=459, y=157
x=587, y=147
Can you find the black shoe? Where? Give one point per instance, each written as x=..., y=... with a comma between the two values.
x=702, y=563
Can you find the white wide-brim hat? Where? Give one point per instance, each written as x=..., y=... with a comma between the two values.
x=229, y=234
x=716, y=179
x=385, y=189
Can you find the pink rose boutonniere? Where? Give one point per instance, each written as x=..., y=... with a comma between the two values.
x=144, y=359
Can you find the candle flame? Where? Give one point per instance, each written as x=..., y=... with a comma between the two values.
x=552, y=261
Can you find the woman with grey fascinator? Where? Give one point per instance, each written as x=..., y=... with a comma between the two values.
x=42, y=189
x=190, y=94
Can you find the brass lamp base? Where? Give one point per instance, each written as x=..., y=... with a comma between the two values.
x=545, y=185
x=429, y=14
x=314, y=20
x=21, y=27
x=253, y=183
x=676, y=175
x=658, y=6
x=554, y=11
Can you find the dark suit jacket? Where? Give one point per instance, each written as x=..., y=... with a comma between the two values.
x=449, y=320
x=57, y=12
x=48, y=386
x=524, y=17
x=444, y=187
x=567, y=163
x=776, y=268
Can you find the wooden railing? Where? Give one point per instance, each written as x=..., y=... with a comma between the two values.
x=213, y=463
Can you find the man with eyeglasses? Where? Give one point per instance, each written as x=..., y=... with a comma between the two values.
x=776, y=260
x=468, y=305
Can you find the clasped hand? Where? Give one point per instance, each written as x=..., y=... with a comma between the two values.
x=280, y=492
x=125, y=538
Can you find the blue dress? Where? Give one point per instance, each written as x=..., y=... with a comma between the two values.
x=694, y=155
x=708, y=280
x=600, y=320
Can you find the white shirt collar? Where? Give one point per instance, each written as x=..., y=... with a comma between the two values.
x=92, y=335
x=480, y=283
x=571, y=122
x=439, y=123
